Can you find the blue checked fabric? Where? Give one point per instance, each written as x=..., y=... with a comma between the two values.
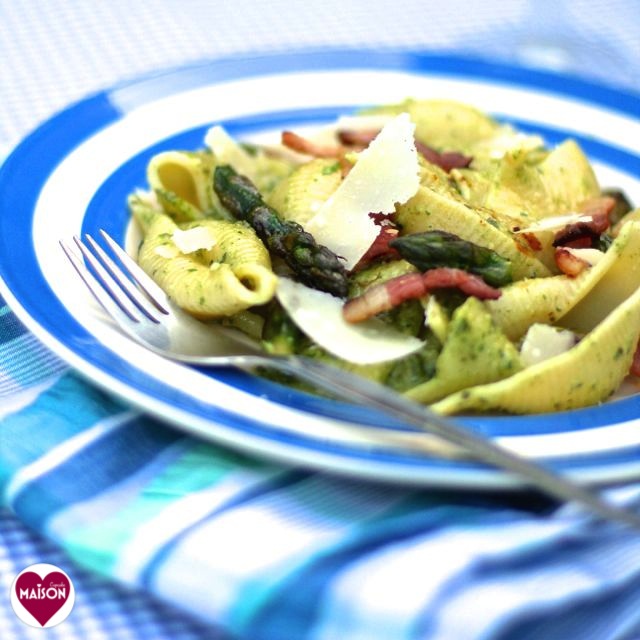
x=258, y=551
x=165, y=536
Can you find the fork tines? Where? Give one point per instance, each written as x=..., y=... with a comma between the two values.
x=111, y=283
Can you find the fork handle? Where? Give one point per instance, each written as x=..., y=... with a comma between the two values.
x=354, y=388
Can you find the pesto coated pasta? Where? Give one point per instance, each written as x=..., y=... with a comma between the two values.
x=424, y=244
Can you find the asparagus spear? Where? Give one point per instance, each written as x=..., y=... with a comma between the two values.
x=433, y=249
x=314, y=265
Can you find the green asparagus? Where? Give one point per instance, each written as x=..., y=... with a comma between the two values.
x=433, y=249
x=313, y=264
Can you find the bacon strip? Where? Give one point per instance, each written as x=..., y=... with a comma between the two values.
x=586, y=233
x=380, y=247
x=390, y=294
x=532, y=240
x=304, y=145
x=446, y=160
x=356, y=138
x=570, y=264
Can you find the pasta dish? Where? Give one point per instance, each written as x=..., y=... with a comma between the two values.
x=425, y=245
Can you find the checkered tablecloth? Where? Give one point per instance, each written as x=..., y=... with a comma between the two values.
x=57, y=51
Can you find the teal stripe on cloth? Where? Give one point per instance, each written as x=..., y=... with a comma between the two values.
x=120, y=530
x=280, y=482
x=253, y=548
x=65, y=409
x=100, y=465
x=59, y=453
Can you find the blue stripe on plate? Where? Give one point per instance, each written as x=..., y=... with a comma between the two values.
x=144, y=90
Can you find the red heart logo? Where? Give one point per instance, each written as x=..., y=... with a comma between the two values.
x=42, y=597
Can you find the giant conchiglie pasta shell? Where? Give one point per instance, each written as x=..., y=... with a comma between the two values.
x=184, y=174
x=475, y=351
x=444, y=124
x=233, y=274
x=577, y=303
x=587, y=374
x=435, y=208
x=299, y=196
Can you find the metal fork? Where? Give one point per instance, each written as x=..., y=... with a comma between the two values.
x=146, y=314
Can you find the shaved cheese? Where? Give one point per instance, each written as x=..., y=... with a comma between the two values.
x=591, y=256
x=193, y=239
x=543, y=342
x=386, y=173
x=319, y=316
x=228, y=151
x=554, y=223
x=507, y=140
x=168, y=251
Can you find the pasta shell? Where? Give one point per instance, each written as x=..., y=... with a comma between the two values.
x=475, y=351
x=580, y=302
x=181, y=173
x=556, y=184
x=444, y=124
x=231, y=276
x=300, y=196
x=586, y=374
x=433, y=207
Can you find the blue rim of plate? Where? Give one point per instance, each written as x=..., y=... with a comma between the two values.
x=24, y=287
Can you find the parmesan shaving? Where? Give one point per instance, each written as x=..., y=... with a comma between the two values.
x=193, y=239
x=508, y=140
x=591, y=256
x=543, y=342
x=167, y=251
x=554, y=223
x=228, y=151
x=385, y=173
x=319, y=316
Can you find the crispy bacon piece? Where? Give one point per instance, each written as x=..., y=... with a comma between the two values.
x=380, y=247
x=390, y=294
x=532, y=240
x=300, y=144
x=446, y=160
x=356, y=138
x=586, y=233
x=304, y=145
x=568, y=263
x=381, y=218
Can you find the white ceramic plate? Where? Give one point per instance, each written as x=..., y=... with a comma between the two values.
x=73, y=174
